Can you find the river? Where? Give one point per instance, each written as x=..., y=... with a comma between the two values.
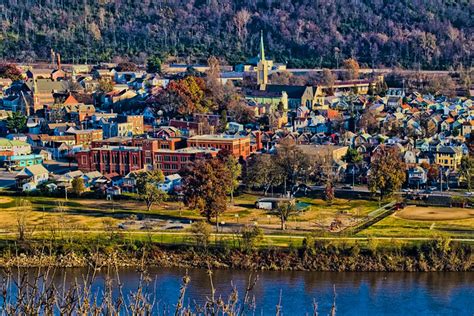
x=357, y=293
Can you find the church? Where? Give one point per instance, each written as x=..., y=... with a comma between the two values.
x=281, y=97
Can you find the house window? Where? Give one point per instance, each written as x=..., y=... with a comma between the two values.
x=84, y=160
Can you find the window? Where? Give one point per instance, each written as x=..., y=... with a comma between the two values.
x=174, y=158
x=84, y=160
x=184, y=159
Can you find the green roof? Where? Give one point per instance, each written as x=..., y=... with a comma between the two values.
x=10, y=143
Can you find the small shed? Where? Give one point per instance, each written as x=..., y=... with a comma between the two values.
x=272, y=203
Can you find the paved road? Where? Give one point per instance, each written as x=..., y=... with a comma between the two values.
x=7, y=178
x=277, y=236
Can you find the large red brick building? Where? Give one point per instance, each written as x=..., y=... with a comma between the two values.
x=124, y=159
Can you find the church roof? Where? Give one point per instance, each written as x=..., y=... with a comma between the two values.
x=294, y=92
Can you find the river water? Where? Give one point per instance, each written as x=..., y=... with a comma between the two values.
x=357, y=293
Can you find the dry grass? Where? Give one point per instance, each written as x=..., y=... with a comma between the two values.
x=435, y=213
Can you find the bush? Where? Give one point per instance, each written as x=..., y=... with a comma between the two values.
x=251, y=236
x=200, y=233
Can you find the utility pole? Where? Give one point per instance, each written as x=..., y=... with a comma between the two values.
x=353, y=177
x=441, y=179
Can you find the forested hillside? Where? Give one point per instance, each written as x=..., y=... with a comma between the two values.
x=306, y=33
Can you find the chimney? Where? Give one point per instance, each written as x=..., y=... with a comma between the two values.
x=53, y=57
x=258, y=140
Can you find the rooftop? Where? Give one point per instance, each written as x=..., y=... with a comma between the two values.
x=217, y=137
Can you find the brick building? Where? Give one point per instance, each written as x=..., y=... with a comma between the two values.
x=110, y=159
x=85, y=136
x=147, y=154
x=155, y=143
x=239, y=146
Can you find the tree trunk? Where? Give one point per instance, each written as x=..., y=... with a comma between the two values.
x=217, y=223
x=283, y=224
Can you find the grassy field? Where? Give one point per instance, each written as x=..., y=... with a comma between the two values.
x=75, y=215
x=425, y=222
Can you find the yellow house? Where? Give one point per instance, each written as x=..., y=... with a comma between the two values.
x=448, y=157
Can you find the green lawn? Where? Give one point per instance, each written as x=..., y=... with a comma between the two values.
x=393, y=226
x=99, y=215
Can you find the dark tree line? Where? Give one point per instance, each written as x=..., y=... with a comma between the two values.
x=320, y=33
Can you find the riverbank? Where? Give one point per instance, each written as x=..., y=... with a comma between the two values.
x=436, y=255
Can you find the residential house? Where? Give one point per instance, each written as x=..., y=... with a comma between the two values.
x=171, y=182
x=30, y=177
x=448, y=157
x=417, y=177
x=85, y=136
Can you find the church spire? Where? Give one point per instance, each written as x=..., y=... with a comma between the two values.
x=262, y=49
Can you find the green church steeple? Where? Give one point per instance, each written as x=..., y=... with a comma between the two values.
x=262, y=48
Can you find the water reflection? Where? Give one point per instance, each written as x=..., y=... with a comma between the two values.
x=364, y=293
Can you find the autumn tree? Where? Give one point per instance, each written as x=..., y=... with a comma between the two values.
x=433, y=173
x=442, y=85
x=184, y=97
x=10, y=71
x=201, y=233
x=206, y=184
x=352, y=68
x=127, y=66
x=466, y=170
x=292, y=161
x=329, y=192
x=328, y=79
x=284, y=211
x=147, y=187
x=241, y=20
x=78, y=186
x=281, y=77
x=213, y=82
x=240, y=111
x=352, y=156
x=234, y=170
x=387, y=171
x=105, y=86
x=369, y=121
x=263, y=171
